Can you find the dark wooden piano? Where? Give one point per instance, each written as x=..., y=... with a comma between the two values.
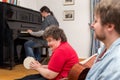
x=14, y=21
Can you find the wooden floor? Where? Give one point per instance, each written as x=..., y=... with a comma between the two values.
x=17, y=72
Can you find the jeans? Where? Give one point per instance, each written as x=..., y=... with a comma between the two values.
x=32, y=48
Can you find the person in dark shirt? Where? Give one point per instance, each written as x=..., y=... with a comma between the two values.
x=48, y=19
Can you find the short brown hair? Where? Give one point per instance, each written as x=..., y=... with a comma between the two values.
x=55, y=32
x=109, y=12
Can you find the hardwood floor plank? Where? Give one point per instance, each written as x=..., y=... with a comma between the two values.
x=17, y=72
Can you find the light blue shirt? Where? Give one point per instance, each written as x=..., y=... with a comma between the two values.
x=108, y=66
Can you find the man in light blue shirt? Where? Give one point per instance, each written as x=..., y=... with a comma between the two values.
x=106, y=28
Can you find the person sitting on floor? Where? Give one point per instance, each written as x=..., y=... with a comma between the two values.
x=61, y=61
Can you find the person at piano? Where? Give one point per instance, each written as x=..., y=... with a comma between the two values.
x=61, y=61
x=106, y=28
x=49, y=19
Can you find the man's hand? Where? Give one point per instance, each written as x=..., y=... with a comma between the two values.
x=29, y=31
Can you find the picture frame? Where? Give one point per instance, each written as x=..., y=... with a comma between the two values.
x=68, y=15
x=68, y=2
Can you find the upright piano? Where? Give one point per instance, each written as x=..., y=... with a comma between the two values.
x=14, y=21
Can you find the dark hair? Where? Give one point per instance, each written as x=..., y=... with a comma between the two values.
x=55, y=32
x=109, y=12
x=46, y=9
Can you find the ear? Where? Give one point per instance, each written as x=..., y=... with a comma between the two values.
x=111, y=27
x=59, y=39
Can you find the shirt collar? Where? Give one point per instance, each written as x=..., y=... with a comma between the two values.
x=114, y=44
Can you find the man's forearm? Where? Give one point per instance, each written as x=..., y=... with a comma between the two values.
x=37, y=34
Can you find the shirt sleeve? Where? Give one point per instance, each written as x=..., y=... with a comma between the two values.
x=49, y=20
x=57, y=61
x=110, y=76
x=37, y=34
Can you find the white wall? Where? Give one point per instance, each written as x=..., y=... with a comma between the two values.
x=28, y=4
x=77, y=31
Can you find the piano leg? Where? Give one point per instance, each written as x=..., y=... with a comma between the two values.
x=11, y=50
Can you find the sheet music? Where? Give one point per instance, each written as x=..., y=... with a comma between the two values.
x=23, y=32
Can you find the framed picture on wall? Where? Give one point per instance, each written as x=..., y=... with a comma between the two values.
x=68, y=2
x=68, y=15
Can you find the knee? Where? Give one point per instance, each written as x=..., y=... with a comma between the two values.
x=27, y=44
